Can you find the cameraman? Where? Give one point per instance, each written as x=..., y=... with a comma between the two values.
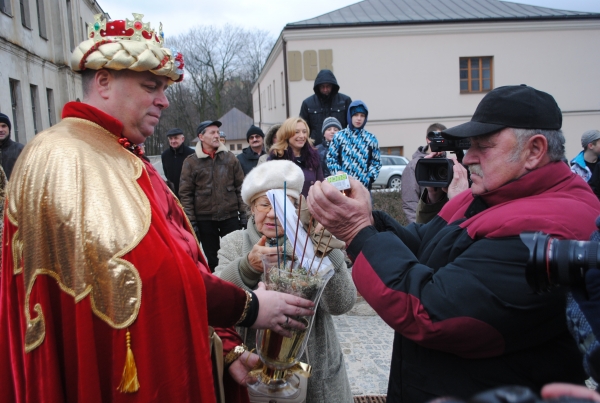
x=454, y=289
x=434, y=198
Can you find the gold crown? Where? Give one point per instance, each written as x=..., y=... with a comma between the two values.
x=127, y=29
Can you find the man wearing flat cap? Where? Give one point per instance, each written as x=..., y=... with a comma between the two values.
x=250, y=155
x=9, y=149
x=104, y=293
x=585, y=164
x=172, y=159
x=454, y=289
x=210, y=191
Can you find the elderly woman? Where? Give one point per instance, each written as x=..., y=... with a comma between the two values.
x=240, y=263
x=294, y=144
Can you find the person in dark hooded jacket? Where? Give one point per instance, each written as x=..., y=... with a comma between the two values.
x=326, y=102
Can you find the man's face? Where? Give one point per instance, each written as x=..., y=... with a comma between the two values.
x=325, y=89
x=4, y=131
x=137, y=100
x=222, y=140
x=176, y=141
x=358, y=119
x=492, y=161
x=210, y=138
x=594, y=147
x=256, y=141
x=330, y=132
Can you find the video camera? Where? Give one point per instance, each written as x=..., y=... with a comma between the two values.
x=558, y=262
x=438, y=172
x=511, y=394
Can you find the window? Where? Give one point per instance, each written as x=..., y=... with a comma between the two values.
x=50, y=101
x=232, y=147
x=239, y=146
x=25, y=17
x=41, y=18
x=35, y=109
x=476, y=74
x=15, y=102
x=274, y=97
x=399, y=150
x=5, y=7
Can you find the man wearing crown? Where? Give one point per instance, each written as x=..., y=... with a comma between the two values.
x=105, y=295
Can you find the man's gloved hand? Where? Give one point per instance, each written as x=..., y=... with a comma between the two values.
x=243, y=223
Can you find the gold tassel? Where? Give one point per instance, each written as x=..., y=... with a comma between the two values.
x=129, y=381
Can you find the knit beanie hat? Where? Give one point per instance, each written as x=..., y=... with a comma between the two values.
x=271, y=175
x=5, y=119
x=358, y=109
x=331, y=122
x=588, y=137
x=254, y=130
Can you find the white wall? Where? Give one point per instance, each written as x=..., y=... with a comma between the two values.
x=409, y=75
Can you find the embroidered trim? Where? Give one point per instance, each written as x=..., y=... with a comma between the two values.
x=246, y=307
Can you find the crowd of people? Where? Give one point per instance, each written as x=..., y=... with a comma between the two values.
x=115, y=283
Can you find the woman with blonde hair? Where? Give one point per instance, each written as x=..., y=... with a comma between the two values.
x=294, y=144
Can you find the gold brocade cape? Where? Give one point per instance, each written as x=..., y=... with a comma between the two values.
x=78, y=211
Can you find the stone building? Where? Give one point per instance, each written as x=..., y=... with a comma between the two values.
x=419, y=62
x=36, y=40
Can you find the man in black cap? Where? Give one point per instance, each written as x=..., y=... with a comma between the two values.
x=250, y=155
x=172, y=158
x=326, y=102
x=454, y=289
x=210, y=190
x=9, y=150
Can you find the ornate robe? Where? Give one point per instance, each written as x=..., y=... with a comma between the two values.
x=95, y=247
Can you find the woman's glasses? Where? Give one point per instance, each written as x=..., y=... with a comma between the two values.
x=263, y=207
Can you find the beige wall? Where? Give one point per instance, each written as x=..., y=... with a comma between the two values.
x=409, y=75
x=31, y=59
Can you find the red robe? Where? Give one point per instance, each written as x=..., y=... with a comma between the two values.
x=80, y=357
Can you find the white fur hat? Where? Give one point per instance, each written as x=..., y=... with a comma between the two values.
x=271, y=175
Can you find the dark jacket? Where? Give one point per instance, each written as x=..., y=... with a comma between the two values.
x=322, y=149
x=210, y=189
x=317, y=107
x=9, y=152
x=172, y=161
x=410, y=189
x=248, y=159
x=454, y=290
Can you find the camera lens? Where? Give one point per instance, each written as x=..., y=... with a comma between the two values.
x=558, y=262
x=439, y=173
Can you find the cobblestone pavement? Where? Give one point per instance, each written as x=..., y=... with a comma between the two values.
x=367, y=346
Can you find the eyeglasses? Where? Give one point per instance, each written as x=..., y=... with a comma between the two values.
x=263, y=207
x=254, y=136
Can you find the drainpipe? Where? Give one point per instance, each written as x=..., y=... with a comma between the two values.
x=285, y=78
x=259, y=108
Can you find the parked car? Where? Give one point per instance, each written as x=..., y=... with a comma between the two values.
x=390, y=175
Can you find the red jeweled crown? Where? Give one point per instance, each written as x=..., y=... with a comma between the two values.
x=117, y=30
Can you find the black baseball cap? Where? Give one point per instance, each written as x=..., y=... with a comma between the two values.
x=174, y=132
x=207, y=123
x=517, y=106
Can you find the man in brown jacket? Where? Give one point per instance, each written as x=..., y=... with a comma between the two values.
x=210, y=191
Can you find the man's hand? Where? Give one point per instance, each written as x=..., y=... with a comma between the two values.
x=240, y=368
x=343, y=216
x=195, y=228
x=277, y=310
